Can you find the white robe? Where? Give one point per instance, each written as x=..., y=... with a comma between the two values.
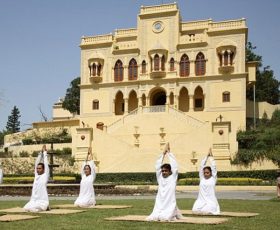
x=86, y=196
x=165, y=206
x=39, y=199
x=207, y=201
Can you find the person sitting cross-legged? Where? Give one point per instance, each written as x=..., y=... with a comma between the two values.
x=39, y=199
x=165, y=208
x=87, y=196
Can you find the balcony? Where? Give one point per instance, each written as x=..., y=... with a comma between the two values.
x=226, y=69
x=95, y=79
x=158, y=74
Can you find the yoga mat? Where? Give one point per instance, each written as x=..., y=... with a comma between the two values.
x=96, y=206
x=230, y=214
x=13, y=217
x=53, y=211
x=188, y=220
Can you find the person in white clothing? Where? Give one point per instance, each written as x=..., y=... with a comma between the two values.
x=206, y=202
x=39, y=199
x=165, y=208
x=86, y=197
x=1, y=174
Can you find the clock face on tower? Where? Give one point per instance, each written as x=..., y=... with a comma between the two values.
x=158, y=27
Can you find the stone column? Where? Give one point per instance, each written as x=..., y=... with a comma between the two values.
x=191, y=103
x=125, y=105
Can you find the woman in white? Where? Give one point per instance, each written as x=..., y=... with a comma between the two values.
x=206, y=202
x=86, y=197
x=39, y=199
x=165, y=208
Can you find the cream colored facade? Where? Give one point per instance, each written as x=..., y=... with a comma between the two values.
x=164, y=81
x=188, y=88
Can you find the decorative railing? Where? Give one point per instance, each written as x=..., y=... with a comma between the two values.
x=126, y=32
x=154, y=109
x=158, y=8
x=232, y=24
x=210, y=25
x=97, y=39
x=196, y=25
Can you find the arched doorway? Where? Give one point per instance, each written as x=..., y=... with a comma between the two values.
x=132, y=101
x=158, y=97
x=198, y=99
x=119, y=104
x=184, y=100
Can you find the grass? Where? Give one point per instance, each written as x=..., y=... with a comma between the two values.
x=94, y=219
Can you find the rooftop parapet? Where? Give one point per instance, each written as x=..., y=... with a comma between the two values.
x=146, y=10
x=99, y=39
x=131, y=32
x=214, y=26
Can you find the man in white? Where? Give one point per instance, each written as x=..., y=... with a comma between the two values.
x=206, y=202
x=165, y=208
x=39, y=199
x=86, y=197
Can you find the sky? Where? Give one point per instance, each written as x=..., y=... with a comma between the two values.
x=39, y=42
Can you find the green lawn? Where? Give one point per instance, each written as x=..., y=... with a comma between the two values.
x=94, y=219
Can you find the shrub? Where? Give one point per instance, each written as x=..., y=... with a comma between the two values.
x=23, y=154
x=35, y=153
x=27, y=141
x=5, y=154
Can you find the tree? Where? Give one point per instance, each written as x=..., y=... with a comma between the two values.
x=262, y=143
x=72, y=98
x=267, y=86
x=13, y=124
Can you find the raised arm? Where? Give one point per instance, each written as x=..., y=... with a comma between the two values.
x=38, y=159
x=173, y=163
x=82, y=168
x=46, y=163
x=202, y=165
x=93, y=167
x=158, y=166
x=213, y=167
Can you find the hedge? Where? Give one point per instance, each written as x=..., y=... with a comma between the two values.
x=29, y=179
x=150, y=178
x=226, y=181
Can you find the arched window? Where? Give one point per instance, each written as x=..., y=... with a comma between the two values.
x=95, y=104
x=118, y=71
x=226, y=96
x=162, y=63
x=156, y=63
x=144, y=66
x=184, y=66
x=132, y=70
x=93, y=69
x=226, y=58
x=200, y=64
x=172, y=64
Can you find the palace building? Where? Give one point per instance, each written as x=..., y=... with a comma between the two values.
x=166, y=80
